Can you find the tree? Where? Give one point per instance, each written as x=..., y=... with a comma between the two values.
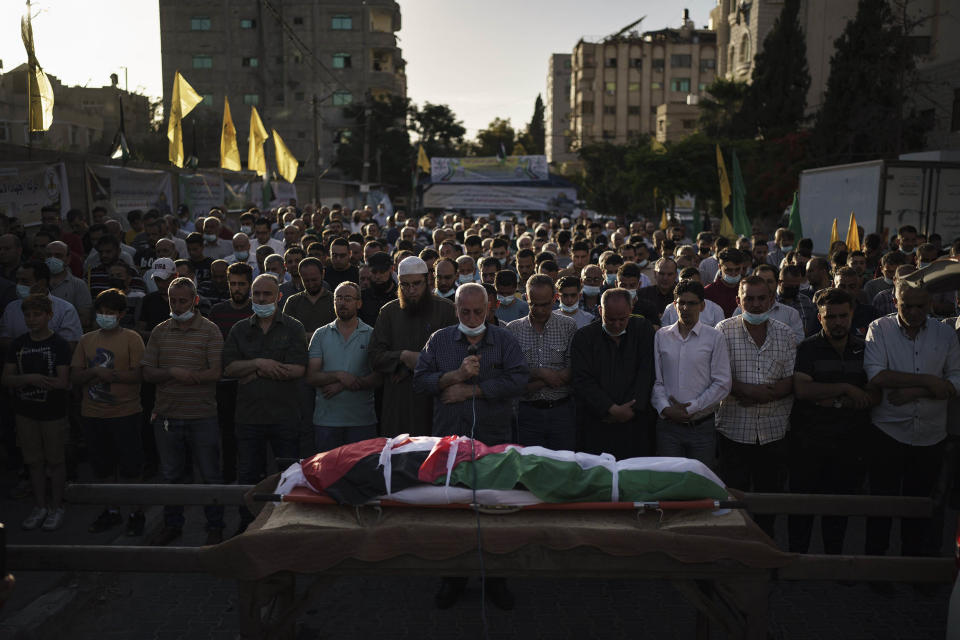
x=390, y=153
x=489, y=140
x=532, y=139
x=777, y=96
x=441, y=133
x=863, y=109
x=720, y=110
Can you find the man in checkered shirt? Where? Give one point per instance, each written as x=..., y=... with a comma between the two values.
x=753, y=420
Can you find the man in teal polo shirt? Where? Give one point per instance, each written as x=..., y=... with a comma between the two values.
x=339, y=369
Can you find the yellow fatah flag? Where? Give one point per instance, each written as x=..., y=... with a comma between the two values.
x=287, y=165
x=726, y=228
x=853, y=234
x=663, y=219
x=724, y=180
x=834, y=236
x=39, y=91
x=229, y=152
x=256, y=160
x=423, y=162
x=182, y=102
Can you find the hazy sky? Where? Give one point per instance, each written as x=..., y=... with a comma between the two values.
x=484, y=58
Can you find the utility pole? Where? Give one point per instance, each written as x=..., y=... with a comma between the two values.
x=316, y=155
x=365, y=174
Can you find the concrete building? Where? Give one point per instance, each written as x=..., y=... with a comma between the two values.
x=85, y=119
x=557, y=110
x=618, y=84
x=280, y=56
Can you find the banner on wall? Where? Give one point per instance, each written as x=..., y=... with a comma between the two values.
x=200, y=191
x=500, y=197
x=121, y=189
x=489, y=169
x=27, y=187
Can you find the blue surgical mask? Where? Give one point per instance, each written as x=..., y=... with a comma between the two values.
x=613, y=335
x=186, y=316
x=756, y=318
x=472, y=332
x=787, y=248
x=506, y=300
x=502, y=261
x=569, y=309
x=241, y=256
x=633, y=294
x=23, y=291
x=465, y=279
x=247, y=229
x=209, y=238
x=643, y=263
x=612, y=279
x=731, y=279
x=55, y=265
x=107, y=322
x=264, y=310
x=449, y=294
x=591, y=290
x=909, y=253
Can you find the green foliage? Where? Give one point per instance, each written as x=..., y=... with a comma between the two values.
x=489, y=140
x=388, y=135
x=534, y=136
x=721, y=107
x=438, y=128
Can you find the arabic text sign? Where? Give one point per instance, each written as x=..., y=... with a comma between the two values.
x=27, y=187
x=489, y=169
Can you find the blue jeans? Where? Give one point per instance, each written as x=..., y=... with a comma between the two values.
x=554, y=428
x=252, y=440
x=179, y=441
x=329, y=438
x=685, y=441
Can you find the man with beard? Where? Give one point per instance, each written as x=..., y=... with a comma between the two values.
x=341, y=268
x=402, y=330
x=226, y=314
x=313, y=306
x=381, y=290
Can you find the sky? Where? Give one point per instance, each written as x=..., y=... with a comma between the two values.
x=483, y=58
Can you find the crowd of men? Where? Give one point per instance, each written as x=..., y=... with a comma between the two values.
x=169, y=342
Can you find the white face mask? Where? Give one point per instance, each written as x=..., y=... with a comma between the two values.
x=569, y=309
x=472, y=332
x=613, y=335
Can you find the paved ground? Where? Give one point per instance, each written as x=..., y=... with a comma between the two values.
x=168, y=606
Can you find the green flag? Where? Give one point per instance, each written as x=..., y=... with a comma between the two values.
x=268, y=194
x=696, y=226
x=795, y=225
x=741, y=224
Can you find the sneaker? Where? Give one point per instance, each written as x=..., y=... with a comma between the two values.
x=35, y=519
x=53, y=520
x=106, y=520
x=135, y=523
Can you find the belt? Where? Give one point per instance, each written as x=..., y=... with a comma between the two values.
x=545, y=404
x=693, y=423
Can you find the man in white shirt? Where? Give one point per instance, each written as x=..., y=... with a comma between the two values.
x=213, y=245
x=34, y=277
x=916, y=362
x=261, y=237
x=692, y=367
x=711, y=314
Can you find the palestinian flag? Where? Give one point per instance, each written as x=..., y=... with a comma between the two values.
x=429, y=470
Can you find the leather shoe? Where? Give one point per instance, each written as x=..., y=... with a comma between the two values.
x=214, y=536
x=497, y=592
x=165, y=536
x=450, y=591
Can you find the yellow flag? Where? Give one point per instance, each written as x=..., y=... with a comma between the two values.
x=663, y=219
x=229, y=152
x=287, y=165
x=853, y=234
x=423, y=162
x=726, y=228
x=39, y=91
x=834, y=236
x=724, y=180
x=256, y=161
x=183, y=100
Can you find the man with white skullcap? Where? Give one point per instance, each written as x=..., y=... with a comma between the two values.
x=402, y=330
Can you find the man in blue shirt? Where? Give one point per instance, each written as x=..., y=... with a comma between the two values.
x=340, y=370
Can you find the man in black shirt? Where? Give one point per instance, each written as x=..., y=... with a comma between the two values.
x=382, y=288
x=830, y=417
x=660, y=293
x=340, y=268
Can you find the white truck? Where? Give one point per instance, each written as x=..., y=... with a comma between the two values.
x=884, y=195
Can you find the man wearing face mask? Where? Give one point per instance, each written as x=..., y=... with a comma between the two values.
x=34, y=277
x=610, y=263
x=265, y=353
x=241, y=251
x=612, y=371
x=182, y=359
x=724, y=291
x=628, y=277
x=888, y=270
x=511, y=306
x=753, y=420
x=569, y=290
x=445, y=276
x=592, y=278
x=214, y=246
x=466, y=270
x=65, y=285
x=907, y=235
x=474, y=371
x=782, y=245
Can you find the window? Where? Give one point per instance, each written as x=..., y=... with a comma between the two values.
x=341, y=61
x=955, y=116
x=298, y=96
x=248, y=24
x=633, y=110
x=202, y=62
x=343, y=137
x=4, y=132
x=609, y=110
x=587, y=108
x=610, y=88
x=680, y=84
x=633, y=86
x=689, y=124
x=251, y=62
x=656, y=85
x=341, y=23
x=200, y=23
x=636, y=63
x=298, y=20
x=680, y=60
x=207, y=99
x=657, y=64
x=608, y=134
x=297, y=58
x=342, y=98
x=251, y=99
x=745, y=49
x=611, y=63
x=708, y=64
x=301, y=134
x=702, y=86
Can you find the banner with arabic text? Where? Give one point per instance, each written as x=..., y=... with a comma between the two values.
x=27, y=187
x=122, y=189
x=489, y=169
